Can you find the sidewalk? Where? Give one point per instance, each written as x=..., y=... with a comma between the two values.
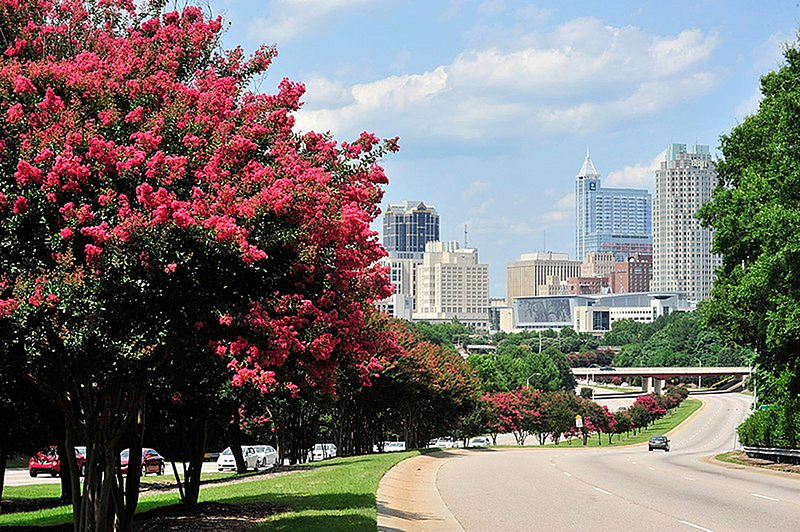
x=408, y=498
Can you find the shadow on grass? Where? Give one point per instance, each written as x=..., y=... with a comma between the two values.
x=302, y=502
x=321, y=523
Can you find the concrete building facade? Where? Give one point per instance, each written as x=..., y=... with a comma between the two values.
x=682, y=258
x=617, y=220
x=525, y=276
x=452, y=284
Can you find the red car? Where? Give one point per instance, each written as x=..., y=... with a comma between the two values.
x=152, y=462
x=48, y=461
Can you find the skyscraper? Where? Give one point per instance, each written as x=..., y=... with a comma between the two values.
x=682, y=259
x=407, y=227
x=616, y=220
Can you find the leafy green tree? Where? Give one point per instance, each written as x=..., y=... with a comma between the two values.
x=755, y=215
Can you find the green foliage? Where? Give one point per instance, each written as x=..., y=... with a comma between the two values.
x=755, y=215
x=677, y=339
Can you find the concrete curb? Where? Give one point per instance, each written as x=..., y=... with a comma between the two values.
x=409, y=500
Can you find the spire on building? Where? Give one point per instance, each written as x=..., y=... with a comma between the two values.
x=588, y=169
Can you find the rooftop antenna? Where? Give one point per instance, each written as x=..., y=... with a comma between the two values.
x=465, y=236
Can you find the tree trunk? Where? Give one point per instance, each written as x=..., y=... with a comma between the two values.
x=197, y=450
x=3, y=460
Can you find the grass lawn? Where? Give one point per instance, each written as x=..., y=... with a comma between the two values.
x=337, y=494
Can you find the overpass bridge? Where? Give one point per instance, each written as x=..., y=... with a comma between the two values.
x=654, y=378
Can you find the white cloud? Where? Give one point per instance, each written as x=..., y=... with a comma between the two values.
x=476, y=188
x=289, y=19
x=566, y=202
x=580, y=78
x=639, y=175
x=492, y=7
x=749, y=106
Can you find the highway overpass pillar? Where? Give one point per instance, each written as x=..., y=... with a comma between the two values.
x=658, y=386
x=647, y=383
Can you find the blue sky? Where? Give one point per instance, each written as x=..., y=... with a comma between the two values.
x=496, y=101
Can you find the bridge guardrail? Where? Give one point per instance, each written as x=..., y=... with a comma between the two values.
x=776, y=454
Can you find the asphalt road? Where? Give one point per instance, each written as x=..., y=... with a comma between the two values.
x=625, y=488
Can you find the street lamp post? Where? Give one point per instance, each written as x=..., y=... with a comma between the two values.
x=528, y=381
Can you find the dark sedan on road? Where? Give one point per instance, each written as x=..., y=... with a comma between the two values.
x=658, y=442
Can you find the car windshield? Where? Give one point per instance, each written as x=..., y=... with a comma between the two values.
x=227, y=451
x=124, y=454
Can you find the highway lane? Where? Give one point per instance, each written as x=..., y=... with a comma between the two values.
x=624, y=488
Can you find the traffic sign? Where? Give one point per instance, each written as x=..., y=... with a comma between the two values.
x=578, y=421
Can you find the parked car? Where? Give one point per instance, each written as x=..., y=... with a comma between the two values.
x=389, y=447
x=480, y=441
x=48, y=461
x=446, y=443
x=267, y=455
x=227, y=461
x=152, y=462
x=658, y=442
x=321, y=451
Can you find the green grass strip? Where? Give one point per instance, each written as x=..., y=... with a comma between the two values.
x=336, y=494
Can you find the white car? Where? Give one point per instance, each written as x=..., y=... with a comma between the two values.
x=446, y=443
x=227, y=461
x=267, y=455
x=390, y=447
x=480, y=441
x=321, y=451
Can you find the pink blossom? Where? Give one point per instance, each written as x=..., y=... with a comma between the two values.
x=67, y=233
x=170, y=268
x=20, y=205
x=92, y=253
x=225, y=319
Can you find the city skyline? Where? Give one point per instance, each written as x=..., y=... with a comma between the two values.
x=495, y=102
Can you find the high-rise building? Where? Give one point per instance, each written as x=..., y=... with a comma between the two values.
x=525, y=276
x=618, y=220
x=451, y=284
x=407, y=227
x=682, y=259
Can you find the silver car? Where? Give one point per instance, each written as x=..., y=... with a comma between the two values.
x=227, y=461
x=267, y=455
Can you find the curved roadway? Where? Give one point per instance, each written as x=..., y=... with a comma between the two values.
x=624, y=488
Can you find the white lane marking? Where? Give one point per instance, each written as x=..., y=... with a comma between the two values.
x=650, y=468
x=764, y=497
x=567, y=474
x=698, y=527
x=603, y=491
x=688, y=478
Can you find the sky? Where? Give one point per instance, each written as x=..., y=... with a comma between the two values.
x=496, y=102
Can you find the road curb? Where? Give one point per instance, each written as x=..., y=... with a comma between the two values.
x=409, y=500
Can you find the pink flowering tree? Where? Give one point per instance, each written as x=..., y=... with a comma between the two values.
x=153, y=210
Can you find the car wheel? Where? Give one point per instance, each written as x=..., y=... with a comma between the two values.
x=649, y=448
x=53, y=473
x=667, y=449
x=144, y=469
x=34, y=473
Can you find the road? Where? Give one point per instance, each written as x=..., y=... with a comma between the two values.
x=20, y=477
x=624, y=488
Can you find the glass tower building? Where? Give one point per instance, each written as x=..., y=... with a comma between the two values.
x=616, y=220
x=407, y=227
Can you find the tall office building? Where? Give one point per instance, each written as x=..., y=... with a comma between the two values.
x=407, y=227
x=452, y=284
x=682, y=259
x=616, y=220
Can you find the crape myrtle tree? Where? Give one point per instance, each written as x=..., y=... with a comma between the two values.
x=755, y=215
x=150, y=204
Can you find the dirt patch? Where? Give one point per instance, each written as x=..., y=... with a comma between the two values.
x=206, y=517
x=742, y=458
